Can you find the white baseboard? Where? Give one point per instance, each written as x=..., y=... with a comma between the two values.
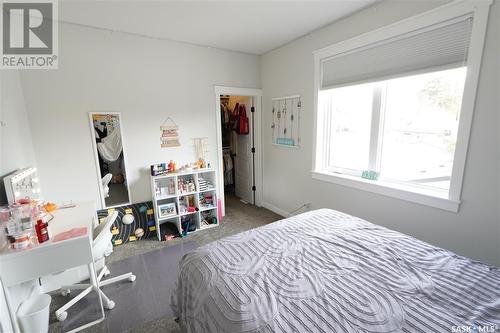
x=275, y=209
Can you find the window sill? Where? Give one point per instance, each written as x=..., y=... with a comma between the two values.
x=426, y=197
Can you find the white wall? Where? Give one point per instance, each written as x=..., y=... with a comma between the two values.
x=146, y=80
x=473, y=232
x=16, y=148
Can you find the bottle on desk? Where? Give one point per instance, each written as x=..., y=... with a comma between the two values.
x=42, y=232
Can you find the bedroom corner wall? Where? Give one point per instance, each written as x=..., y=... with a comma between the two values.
x=145, y=79
x=16, y=146
x=474, y=231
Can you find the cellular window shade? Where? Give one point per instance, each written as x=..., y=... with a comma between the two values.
x=438, y=45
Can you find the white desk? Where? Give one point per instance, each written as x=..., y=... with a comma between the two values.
x=18, y=266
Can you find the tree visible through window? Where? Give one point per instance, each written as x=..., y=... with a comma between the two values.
x=404, y=128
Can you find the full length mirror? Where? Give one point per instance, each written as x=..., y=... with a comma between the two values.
x=110, y=158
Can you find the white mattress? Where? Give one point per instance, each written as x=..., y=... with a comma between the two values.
x=325, y=271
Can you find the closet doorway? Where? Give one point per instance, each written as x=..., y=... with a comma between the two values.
x=239, y=146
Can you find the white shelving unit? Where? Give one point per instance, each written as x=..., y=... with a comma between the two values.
x=168, y=189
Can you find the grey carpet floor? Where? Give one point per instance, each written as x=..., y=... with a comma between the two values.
x=118, y=195
x=239, y=217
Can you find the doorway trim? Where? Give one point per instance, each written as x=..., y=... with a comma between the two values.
x=257, y=94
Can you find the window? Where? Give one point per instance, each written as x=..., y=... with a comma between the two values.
x=394, y=107
x=420, y=128
x=405, y=129
x=349, y=112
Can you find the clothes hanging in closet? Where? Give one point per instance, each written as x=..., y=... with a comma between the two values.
x=228, y=168
x=235, y=120
x=225, y=118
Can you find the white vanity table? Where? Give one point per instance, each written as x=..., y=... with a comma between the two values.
x=20, y=266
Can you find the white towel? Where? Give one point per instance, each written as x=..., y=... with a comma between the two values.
x=110, y=147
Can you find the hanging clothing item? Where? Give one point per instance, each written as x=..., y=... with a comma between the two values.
x=101, y=134
x=110, y=147
x=226, y=113
x=243, y=124
x=235, y=117
x=228, y=168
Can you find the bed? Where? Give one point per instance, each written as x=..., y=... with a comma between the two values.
x=325, y=271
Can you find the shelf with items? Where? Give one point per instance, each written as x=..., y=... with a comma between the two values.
x=207, y=200
x=203, y=227
x=208, y=190
x=206, y=181
x=193, y=198
x=168, y=229
x=164, y=188
x=186, y=184
x=168, y=219
x=167, y=210
x=166, y=197
x=188, y=193
x=187, y=204
x=187, y=213
x=190, y=223
x=207, y=208
x=208, y=218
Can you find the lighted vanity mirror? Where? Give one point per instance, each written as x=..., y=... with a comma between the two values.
x=109, y=153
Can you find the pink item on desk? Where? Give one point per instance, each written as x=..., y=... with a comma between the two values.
x=72, y=233
x=24, y=201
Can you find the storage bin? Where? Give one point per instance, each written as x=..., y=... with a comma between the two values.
x=33, y=314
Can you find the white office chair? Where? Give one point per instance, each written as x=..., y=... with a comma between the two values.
x=102, y=241
x=105, y=182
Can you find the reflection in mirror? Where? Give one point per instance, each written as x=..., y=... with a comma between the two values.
x=108, y=147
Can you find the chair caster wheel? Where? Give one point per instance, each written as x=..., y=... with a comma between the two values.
x=107, y=272
x=132, y=278
x=62, y=316
x=110, y=305
x=65, y=292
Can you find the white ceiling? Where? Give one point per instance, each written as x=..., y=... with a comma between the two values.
x=247, y=26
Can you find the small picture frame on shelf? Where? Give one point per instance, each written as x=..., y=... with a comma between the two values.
x=167, y=210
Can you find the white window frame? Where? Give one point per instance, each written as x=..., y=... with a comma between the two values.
x=449, y=200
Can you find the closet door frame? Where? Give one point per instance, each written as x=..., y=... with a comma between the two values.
x=257, y=137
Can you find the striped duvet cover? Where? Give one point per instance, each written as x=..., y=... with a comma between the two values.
x=325, y=271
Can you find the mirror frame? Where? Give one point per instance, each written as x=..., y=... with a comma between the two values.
x=96, y=158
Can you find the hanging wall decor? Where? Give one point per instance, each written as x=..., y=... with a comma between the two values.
x=285, y=125
x=169, y=134
x=201, y=148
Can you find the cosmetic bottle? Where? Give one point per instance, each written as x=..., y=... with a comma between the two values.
x=42, y=232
